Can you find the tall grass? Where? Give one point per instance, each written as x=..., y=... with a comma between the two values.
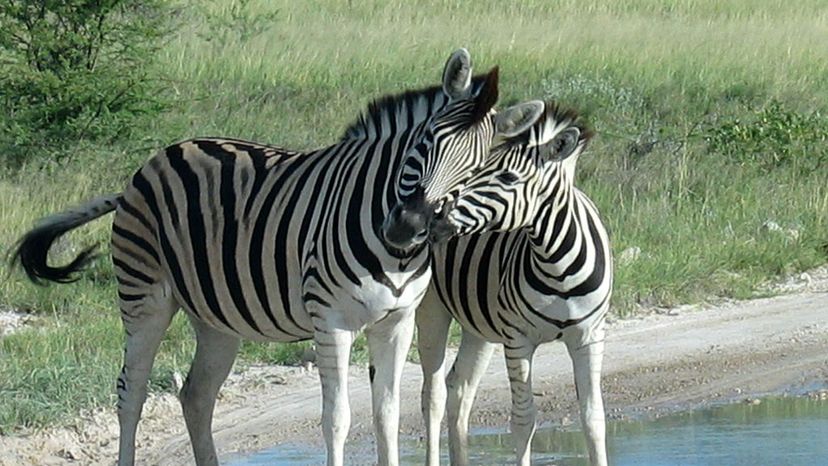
x=660, y=80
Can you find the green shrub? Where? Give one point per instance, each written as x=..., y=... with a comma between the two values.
x=75, y=70
x=234, y=21
x=771, y=137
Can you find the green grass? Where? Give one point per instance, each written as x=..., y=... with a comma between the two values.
x=694, y=152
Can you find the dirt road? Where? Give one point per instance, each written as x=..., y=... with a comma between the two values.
x=667, y=360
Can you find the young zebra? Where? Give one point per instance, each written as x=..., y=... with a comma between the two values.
x=258, y=242
x=538, y=269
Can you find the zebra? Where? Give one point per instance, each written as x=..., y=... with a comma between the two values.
x=536, y=267
x=260, y=242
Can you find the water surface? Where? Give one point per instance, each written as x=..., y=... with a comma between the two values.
x=778, y=431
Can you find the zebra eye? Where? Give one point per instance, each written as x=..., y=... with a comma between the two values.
x=507, y=177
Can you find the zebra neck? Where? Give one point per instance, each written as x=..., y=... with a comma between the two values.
x=555, y=234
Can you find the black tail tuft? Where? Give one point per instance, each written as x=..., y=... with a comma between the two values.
x=32, y=250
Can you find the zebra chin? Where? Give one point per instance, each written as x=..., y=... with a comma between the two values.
x=442, y=228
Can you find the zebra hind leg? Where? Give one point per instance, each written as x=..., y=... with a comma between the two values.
x=214, y=356
x=433, y=325
x=587, y=358
x=146, y=316
x=524, y=412
x=388, y=343
x=468, y=369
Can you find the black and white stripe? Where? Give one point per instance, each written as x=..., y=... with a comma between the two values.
x=535, y=267
x=255, y=241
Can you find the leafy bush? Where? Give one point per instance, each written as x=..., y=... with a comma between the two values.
x=772, y=137
x=236, y=20
x=74, y=70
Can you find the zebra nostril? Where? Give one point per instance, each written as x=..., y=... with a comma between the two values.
x=420, y=237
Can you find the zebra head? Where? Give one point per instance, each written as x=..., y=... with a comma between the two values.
x=452, y=145
x=523, y=171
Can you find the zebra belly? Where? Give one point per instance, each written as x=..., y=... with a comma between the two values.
x=550, y=319
x=270, y=319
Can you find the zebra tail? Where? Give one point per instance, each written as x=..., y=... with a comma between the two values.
x=31, y=251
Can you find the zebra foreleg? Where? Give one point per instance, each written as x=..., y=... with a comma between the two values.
x=388, y=343
x=215, y=353
x=519, y=366
x=432, y=333
x=333, y=351
x=469, y=366
x=587, y=358
x=145, y=321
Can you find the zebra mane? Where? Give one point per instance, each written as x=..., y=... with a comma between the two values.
x=367, y=125
x=555, y=112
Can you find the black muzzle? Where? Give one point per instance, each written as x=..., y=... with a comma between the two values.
x=407, y=225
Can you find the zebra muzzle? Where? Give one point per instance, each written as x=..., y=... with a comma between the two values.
x=405, y=227
x=408, y=222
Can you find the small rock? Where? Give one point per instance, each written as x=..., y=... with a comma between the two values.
x=276, y=379
x=792, y=234
x=629, y=255
x=177, y=382
x=11, y=321
x=309, y=355
x=70, y=453
x=770, y=225
x=819, y=395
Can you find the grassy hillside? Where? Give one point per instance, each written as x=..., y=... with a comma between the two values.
x=711, y=122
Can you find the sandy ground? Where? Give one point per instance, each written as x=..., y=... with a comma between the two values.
x=663, y=361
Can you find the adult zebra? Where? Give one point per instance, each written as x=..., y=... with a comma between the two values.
x=539, y=269
x=258, y=242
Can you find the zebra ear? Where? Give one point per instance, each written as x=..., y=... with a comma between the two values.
x=563, y=145
x=457, y=75
x=486, y=97
x=518, y=118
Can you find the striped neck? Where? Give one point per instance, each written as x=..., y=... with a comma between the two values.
x=555, y=229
